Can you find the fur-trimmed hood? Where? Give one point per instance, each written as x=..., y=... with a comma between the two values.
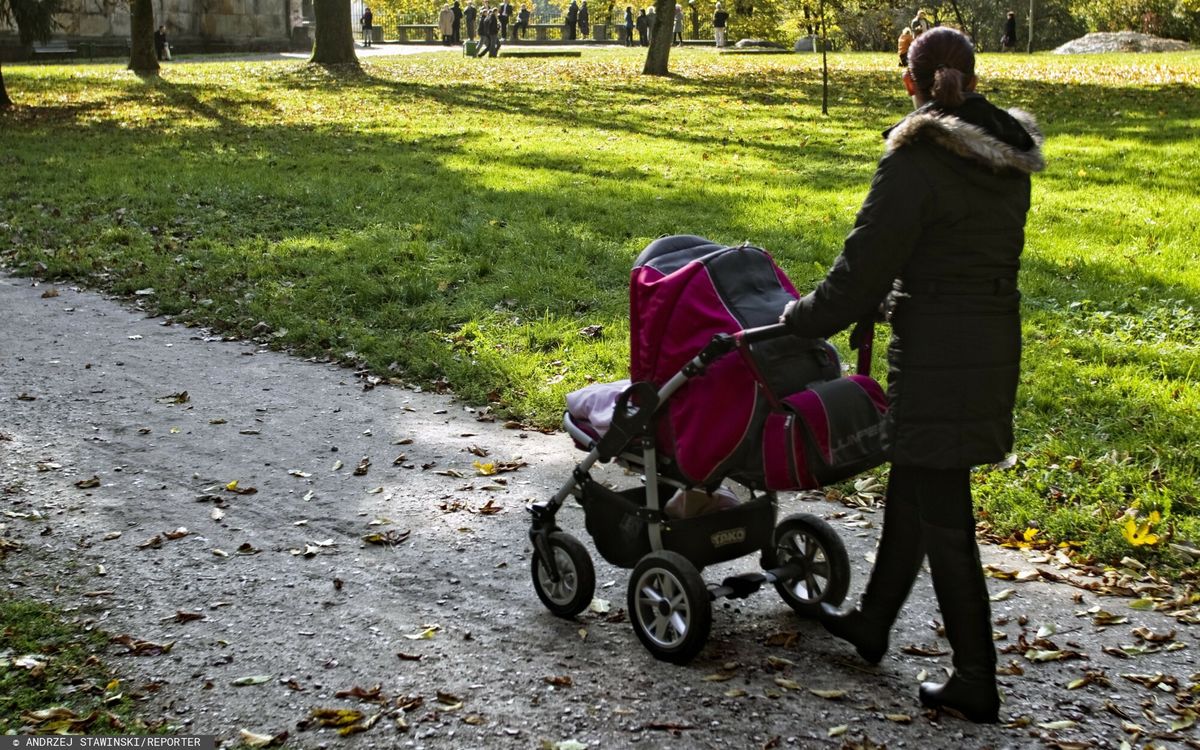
x=1000, y=140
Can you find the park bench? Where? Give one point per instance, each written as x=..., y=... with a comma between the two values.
x=542, y=31
x=507, y=52
x=422, y=32
x=53, y=49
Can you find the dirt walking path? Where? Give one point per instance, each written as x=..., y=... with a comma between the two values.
x=118, y=491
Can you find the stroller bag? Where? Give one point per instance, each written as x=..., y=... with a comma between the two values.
x=825, y=434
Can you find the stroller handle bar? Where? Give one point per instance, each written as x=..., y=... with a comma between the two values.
x=764, y=333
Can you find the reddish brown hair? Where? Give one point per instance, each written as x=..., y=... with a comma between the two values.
x=942, y=62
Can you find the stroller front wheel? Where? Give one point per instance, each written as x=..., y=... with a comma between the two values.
x=669, y=607
x=825, y=576
x=572, y=592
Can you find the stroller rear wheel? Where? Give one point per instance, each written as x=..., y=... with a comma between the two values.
x=572, y=592
x=669, y=607
x=814, y=544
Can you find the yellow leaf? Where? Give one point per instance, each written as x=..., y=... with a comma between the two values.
x=1030, y=534
x=232, y=485
x=485, y=470
x=832, y=695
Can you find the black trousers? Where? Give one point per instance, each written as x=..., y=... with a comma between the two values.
x=942, y=496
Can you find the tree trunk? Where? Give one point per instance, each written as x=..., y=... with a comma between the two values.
x=659, y=54
x=5, y=102
x=142, y=58
x=333, y=38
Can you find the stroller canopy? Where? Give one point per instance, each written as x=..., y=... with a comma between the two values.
x=685, y=289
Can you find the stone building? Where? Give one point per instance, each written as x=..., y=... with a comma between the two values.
x=101, y=27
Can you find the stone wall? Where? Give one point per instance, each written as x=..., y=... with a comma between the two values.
x=190, y=23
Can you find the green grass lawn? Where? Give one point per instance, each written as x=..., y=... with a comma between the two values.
x=462, y=220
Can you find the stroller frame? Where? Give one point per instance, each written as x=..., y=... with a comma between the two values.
x=669, y=603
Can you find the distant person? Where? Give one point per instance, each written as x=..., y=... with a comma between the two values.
x=628, y=25
x=493, y=25
x=720, y=21
x=469, y=14
x=446, y=25
x=1008, y=42
x=677, y=29
x=457, y=10
x=572, y=20
x=584, y=20
x=651, y=20
x=522, y=24
x=920, y=24
x=483, y=31
x=643, y=28
x=368, y=20
x=161, y=50
x=504, y=12
x=903, y=42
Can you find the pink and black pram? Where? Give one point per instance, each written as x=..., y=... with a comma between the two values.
x=719, y=392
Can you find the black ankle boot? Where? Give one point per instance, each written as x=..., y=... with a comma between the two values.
x=869, y=638
x=897, y=562
x=974, y=701
x=963, y=600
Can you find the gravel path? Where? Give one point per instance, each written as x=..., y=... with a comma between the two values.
x=104, y=464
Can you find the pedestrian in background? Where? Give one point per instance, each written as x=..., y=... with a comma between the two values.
x=446, y=25
x=469, y=14
x=903, y=42
x=628, y=25
x=720, y=19
x=1008, y=42
x=572, y=20
x=643, y=28
x=457, y=10
x=368, y=22
x=584, y=20
x=677, y=29
x=920, y=24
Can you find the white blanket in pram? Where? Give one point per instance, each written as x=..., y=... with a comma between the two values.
x=596, y=403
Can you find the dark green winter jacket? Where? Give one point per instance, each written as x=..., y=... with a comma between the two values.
x=939, y=237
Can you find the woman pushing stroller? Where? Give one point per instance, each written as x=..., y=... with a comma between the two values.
x=939, y=237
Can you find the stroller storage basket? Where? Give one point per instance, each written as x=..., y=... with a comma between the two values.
x=622, y=536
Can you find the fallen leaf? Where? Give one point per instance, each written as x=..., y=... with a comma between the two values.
x=255, y=740
x=174, y=398
x=255, y=679
x=787, y=684
x=87, y=484
x=837, y=731
x=425, y=634
x=832, y=695
x=899, y=718
x=924, y=650
x=298, y=473
x=362, y=467
x=1061, y=724
x=389, y=538
x=559, y=681
x=1003, y=595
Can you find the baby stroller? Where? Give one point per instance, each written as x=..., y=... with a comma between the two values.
x=719, y=392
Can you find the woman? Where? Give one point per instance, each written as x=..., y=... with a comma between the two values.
x=939, y=236
x=628, y=25
x=677, y=29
